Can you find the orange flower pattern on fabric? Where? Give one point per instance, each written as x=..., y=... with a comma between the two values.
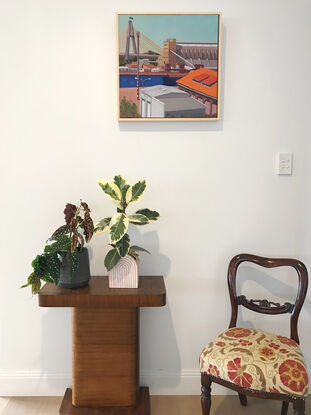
x=274, y=346
x=245, y=342
x=293, y=375
x=238, y=332
x=212, y=370
x=266, y=351
x=286, y=340
x=257, y=360
x=237, y=373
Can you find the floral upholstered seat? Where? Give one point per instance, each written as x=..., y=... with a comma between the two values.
x=257, y=360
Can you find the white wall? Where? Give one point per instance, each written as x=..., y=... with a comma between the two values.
x=213, y=182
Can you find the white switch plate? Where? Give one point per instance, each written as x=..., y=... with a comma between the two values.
x=284, y=162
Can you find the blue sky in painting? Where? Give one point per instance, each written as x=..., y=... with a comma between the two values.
x=183, y=27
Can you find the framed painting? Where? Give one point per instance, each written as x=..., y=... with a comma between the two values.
x=168, y=66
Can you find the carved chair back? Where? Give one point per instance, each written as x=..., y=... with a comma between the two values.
x=265, y=306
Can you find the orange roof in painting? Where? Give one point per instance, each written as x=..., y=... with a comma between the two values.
x=131, y=65
x=203, y=80
x=147, y=66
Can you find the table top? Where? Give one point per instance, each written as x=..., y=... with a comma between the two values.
x=150, y=293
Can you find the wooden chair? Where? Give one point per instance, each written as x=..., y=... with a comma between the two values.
x=254, y=362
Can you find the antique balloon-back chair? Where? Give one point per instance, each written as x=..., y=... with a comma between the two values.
x=254, y=362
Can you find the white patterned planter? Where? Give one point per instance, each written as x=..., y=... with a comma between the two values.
x=124, y=274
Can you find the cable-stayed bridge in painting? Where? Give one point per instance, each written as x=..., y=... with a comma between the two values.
x=186, y=71
x=191, y=54
x=146, y=45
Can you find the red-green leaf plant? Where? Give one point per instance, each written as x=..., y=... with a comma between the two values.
x=65, y=241
x=123, y=194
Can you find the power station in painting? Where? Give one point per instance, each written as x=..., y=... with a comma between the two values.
x=178, y=79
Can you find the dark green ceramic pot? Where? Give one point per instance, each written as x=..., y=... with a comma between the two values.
x=80, y=277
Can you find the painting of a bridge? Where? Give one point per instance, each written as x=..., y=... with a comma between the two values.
x=168, y=66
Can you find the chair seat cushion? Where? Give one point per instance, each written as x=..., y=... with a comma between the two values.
x=257, y=360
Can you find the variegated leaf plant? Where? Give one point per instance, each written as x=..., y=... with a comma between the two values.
x=123, y=194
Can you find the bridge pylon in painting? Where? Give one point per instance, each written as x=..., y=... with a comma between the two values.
x=130, y=36
x=128, y=41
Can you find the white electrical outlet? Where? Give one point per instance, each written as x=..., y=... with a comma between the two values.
x=284, y=163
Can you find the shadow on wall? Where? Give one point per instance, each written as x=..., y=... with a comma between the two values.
x=56, y=353
x=156, y=263
x=159, y=353
x=160, y=361
x=184, y=125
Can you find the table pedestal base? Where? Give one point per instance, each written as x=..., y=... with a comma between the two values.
x=142, y=406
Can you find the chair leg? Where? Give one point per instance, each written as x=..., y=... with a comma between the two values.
x=284, y=408
x=299, y=407
x=243, y=399
x=206, y=394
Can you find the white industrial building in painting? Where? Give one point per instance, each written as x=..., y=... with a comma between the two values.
x=161, y=101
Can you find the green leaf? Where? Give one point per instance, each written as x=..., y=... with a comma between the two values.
x=134, y=254
x=152, y=215
x=24, y=286
x=128, y=195
x=123, y=245
x=61, y=244
x=47, y=278
x=53, y=266
x=40, y=268
x=102, y=226
x=138, y=219
x=124, y=186
x=118, y=226
x=125, y=192
x=30, y=280
x=138, y=190
x=112, y=258
x=35, y=286
x=61, y=231
x=136, y=248
x=111, y=189
x=120, y=181
x=34, y=281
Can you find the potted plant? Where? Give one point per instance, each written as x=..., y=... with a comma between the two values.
x=122, y=260
x=65, y=260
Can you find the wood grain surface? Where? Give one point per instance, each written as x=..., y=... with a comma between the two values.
x=142, y=407
x=105, y=344
x=150, y=293
x=160, y=405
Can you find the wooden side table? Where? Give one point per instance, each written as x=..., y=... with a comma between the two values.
x=105, y=345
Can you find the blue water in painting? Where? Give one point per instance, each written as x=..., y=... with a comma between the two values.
x=129, y=81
